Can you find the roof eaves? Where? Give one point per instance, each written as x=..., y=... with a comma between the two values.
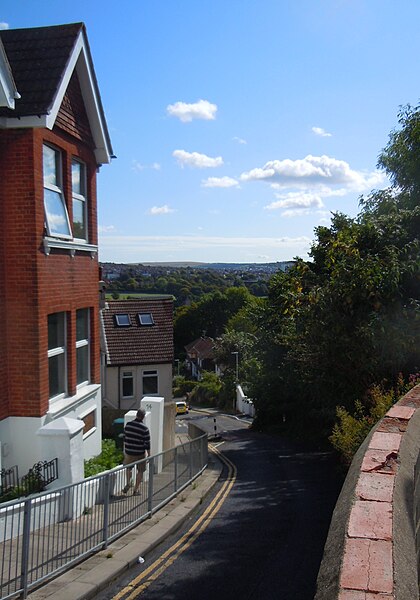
x=80, y=59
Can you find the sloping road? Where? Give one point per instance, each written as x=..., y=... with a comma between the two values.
x=267, y=537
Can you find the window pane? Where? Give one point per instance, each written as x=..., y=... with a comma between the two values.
x=82, y=324
x=82, y=355
x=150, y=385
x=128, y=386
x=56, y=373
x=146, y=319
x=79, y=226
x=50, y=160
x=76, y=177
x=55, y=330
x=123, y=320
x=56, y=213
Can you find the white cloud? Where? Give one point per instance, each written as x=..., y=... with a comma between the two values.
x=239, y=140
x=202, y=109
x=219, y=182
x=105, y=228
x=200, y=248
x=137, y=166
x=4, y=25
x=160, y=210
x=314, y=171
x=296, y=201
x=295, y=212
x=321, y=132
x=196, y=160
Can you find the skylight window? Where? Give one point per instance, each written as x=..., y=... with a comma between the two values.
x=146, y=319
x=123, y=320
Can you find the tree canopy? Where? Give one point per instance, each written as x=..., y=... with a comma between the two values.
x=348, y=319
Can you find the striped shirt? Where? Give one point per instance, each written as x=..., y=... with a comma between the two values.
x=136, y=438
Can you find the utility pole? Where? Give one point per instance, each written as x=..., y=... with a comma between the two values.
x=236, y=378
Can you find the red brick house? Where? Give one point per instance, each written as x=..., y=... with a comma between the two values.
x=138, y=351
x=53, y=138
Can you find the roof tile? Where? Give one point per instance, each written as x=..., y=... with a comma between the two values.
x=139, y=344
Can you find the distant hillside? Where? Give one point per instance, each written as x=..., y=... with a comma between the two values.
x=274, y=266
x=175, y=265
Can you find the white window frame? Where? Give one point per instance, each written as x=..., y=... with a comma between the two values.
x=117, y=320
x=57, y=189
x=58, y=351
x=148, y=322
x=127, y=374
x=81, y=197
x=82, y=343
x=153, y=373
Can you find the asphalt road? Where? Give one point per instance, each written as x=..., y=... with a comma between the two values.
x=266, y=540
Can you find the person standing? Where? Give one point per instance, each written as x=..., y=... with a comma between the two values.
x=136, y=447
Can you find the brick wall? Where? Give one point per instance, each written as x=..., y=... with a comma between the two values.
x=35, y=285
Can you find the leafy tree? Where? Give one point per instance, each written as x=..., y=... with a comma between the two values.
x=208, y=316
x=349, y=319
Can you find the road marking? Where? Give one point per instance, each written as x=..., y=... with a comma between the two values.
x=217, y=445
x=137, y=586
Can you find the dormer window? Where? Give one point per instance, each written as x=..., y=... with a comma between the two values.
x=146, y=319
x=56, y=216
x=122, y=320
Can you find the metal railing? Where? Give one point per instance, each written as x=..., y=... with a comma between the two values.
x=36, y=479
x=44, y=535
x=9, y=478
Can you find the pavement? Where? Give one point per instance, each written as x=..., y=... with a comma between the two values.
x=88, y=578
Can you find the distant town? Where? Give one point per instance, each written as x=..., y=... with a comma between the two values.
x=114, y=270
x=187, y=281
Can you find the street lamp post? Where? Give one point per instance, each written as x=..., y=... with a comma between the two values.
x=236, y=378
x=177, y=361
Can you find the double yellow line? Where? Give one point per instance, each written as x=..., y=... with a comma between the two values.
x=138, y=585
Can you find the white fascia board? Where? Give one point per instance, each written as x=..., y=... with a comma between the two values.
x=79, y=60
x=71, y=65
x=8, y=91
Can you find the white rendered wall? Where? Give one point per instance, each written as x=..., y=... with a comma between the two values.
x=20, y=444
x=113, y=385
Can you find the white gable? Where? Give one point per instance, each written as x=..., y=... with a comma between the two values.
x=80, y=61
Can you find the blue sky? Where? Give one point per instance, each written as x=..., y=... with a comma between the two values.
x=238, y=125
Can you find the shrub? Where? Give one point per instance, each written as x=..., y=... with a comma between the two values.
x=207, y=390
x=182, y=386
x=350, y=430
x=110, y=457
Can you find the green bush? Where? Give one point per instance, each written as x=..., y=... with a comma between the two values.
x=110, y=457
x=350, y=430
x=207, y=390
x=181, y=386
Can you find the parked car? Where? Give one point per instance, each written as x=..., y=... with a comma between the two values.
x=181, y=407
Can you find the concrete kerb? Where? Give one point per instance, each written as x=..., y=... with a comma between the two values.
x=94, y=574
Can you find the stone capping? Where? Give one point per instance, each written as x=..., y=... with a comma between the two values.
x=371, y=550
